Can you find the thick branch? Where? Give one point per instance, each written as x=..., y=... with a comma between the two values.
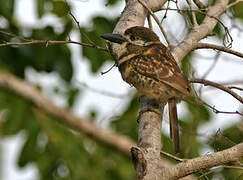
x=31, y=94
x=149, y=140
x=201, y=31
x=189, y=166
x=83, y=126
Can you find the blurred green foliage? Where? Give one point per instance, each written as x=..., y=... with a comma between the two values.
x=57, y=152
x=237, y=10
x=100, y=25
x=111, y=2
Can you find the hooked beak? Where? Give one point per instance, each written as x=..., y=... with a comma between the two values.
x=115, y=38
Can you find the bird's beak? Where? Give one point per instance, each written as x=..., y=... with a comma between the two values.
x=115, y=38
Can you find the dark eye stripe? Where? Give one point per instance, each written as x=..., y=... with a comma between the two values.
x=133, y=38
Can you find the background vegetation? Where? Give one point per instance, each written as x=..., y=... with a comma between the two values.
x=59, y=153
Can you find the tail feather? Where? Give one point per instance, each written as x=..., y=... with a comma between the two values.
x=174, y=127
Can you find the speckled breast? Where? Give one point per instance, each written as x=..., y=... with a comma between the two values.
x=147, y=86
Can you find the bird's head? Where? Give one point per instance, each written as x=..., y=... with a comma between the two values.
x=137, y=35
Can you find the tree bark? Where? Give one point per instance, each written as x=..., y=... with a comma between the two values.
x=146, y=156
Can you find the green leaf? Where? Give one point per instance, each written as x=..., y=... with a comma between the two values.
x=186, y=65
x=17, y=113
x=7, y=8
x=218, y=31
x=53, y=57
x=198, y=114
x=226, y=138
x=237, y=10
x=72, y=95
x=42, y=57
x=127, y=124
x=111, y=2
x=29, y=152
x=40, y=7
x=60, y=8
x=97, y=58
x=93, y=115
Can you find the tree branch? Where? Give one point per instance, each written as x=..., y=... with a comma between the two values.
x=146, y=155
x=219, y=86
x=157, y=21
x=82, y=125
x=199, y=4
x=189, y=166
x=149, y=140
x=46, y=42
x=201, y=31
x=220, y=48
x=134, y=14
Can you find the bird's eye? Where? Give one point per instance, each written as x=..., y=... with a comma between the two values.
x=133, y=38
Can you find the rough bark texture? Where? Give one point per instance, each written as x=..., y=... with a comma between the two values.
x=149, y=137
x=187, y=167
x=146, y=157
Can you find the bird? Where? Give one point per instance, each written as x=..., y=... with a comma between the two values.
x=148, y=65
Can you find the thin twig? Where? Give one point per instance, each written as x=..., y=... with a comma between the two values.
x=157, y=21
x=234, y=3
x=14, y=35
x=165, y=15
x=220, y=48
x=224, y=112
x=219, y=135
x=183, y=10
x=102, y=73
x=224, y=166
x=81, y=30
x=202, y=173
x=205, y=174
x=47, y=42
x=199, y=4
x=227, y=40
x=234, y=87
x=194, y=18
x=240, y=81
x=199, y=101
x=219, y=86
x=171, y=156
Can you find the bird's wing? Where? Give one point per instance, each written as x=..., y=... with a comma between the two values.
x=158, y=63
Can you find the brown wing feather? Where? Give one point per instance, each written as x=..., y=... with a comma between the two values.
x=157, y=62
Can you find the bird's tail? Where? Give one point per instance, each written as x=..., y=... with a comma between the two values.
x=174, y=127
